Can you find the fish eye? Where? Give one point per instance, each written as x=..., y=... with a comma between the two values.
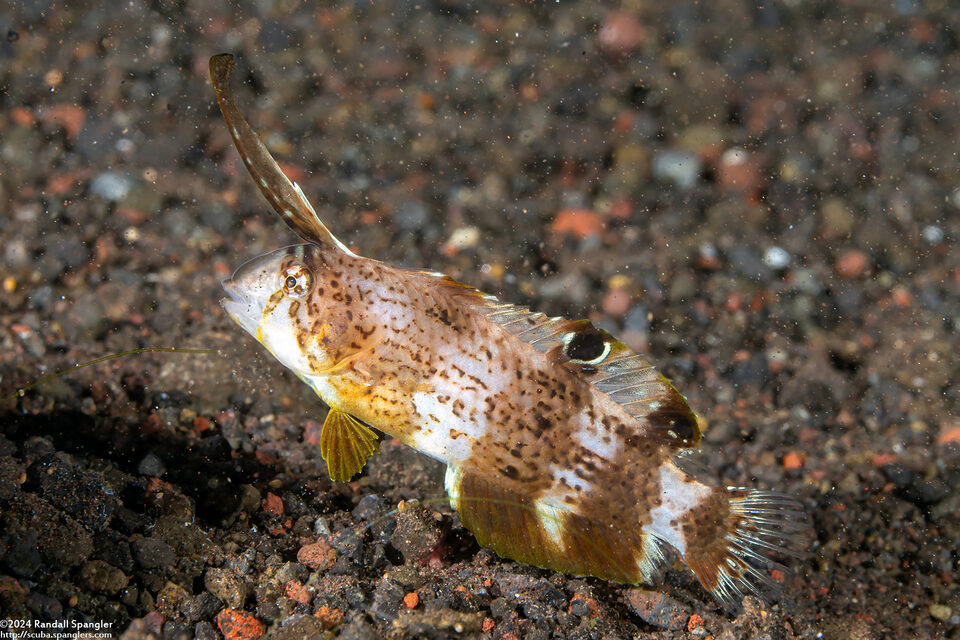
x=296, y=281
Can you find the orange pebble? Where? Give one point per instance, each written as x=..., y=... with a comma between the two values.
x=298, y=592
x=883, y=459
x=852, y=264
x=411, y=600
x=201, y=424
x=273, y=504
x=329, y=617
x=951, y=434
x=902, y=297
x=237, y=625
x=581, y=223
x=694, y=622
x=792, y=461
x=22, y=116
x=66, y=115
x=317, y=556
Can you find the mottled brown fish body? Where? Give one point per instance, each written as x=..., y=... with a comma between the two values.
x=560, y=443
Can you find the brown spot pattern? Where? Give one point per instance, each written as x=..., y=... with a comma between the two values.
x=405, y=332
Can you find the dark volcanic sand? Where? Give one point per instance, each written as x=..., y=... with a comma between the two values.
x=762, y=200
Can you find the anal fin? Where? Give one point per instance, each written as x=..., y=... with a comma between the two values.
x=549, y=534
x=346, y=444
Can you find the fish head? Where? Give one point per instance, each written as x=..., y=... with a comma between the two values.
x=275, y=297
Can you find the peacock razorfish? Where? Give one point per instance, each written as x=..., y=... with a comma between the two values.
x=562, y=446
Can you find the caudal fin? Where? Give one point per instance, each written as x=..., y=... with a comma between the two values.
x=739, y=541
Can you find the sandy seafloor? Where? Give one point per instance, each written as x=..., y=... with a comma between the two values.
x=763, y=200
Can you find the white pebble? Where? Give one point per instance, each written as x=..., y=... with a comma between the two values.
x=776, y=258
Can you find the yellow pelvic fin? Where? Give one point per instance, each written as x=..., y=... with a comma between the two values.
x=346, y=444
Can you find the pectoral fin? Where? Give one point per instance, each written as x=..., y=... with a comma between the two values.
x=346, y=444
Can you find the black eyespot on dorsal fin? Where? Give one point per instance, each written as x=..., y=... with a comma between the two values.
x=587, y=345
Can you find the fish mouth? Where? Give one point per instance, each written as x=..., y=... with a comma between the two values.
x=241, y=308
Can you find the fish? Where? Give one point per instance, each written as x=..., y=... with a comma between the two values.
x=563, y=448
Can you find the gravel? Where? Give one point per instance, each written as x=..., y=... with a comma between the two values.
x=766, y=209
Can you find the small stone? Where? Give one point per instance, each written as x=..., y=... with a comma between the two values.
x=112, y=185
x=237, y=625
x=298, y=627
x=616, y=302
x=680, y=167
x=793, y=460
x=318, y=556
x=837, y=216
x=657, y=609
x=249, y=498
x=141, y=629
x=169, y=598
x=536, y=610
x=151, y=553
x=583, y=605
x=297, y=592
x=369, y=507
x=329, y=617
x=637, y=319
x=746, y=261
x=130, y=595
x=501, y=608
x=777, y=258
x=82, y=494
x=386, y=600
x=696, y=621
x=174, y=630
x=227, y=586
x=933, y=234
x=99, y=576
x=411, y=600
x=152, y=466
x=580, y=223
x=462, y=238
x=273, y=504
x=443, y=622
x=940, y=612
x=417, y=533
x=22, y=558
x=205, y=631
x=321, y=526
x=738, y=171
x=291, y=571
x=200, y=607
x=852, y=264
x=621, y=33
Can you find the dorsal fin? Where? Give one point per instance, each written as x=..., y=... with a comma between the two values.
x=605, y=362
x=285, y=196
